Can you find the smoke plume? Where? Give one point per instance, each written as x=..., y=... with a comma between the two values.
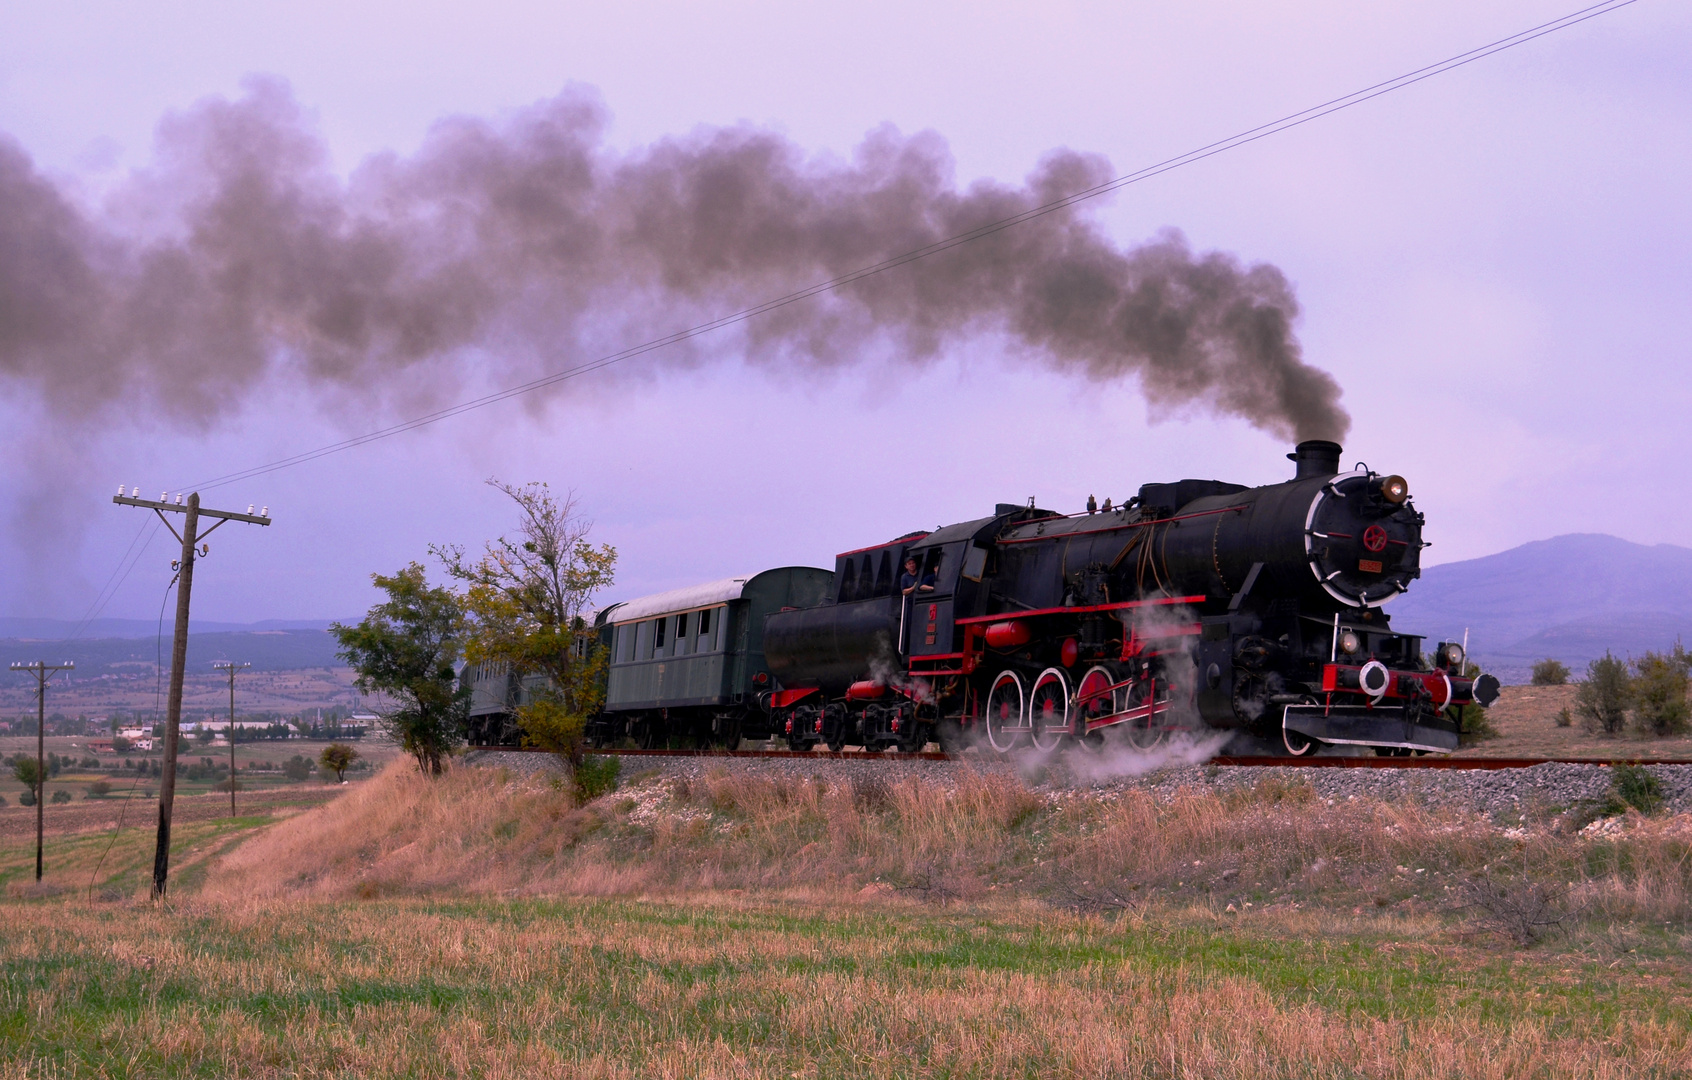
x=528, y=244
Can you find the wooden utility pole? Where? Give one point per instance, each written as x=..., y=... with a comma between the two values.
x=231, y=667
x=42, y=672
x=192, y=539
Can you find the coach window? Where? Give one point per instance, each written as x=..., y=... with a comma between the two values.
x=705, y=630
x=658, y=636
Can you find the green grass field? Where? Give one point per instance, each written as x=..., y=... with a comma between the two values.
x=727, y=988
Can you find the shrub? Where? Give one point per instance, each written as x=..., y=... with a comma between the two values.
x=1602, y=700
x=1550, y=672
x=1659, y=694
x=26, y=797
x=1632, y=787
x=1473, y=723
x=298, y=767
x=596, y=776
x=1564, y=717
x=60, y=796
x=99, y=788
x=121, y=745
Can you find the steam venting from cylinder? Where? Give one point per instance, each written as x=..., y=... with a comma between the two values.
x=525, y=246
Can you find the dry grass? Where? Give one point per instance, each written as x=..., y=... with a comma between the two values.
x=745, y=927
x=484, y=832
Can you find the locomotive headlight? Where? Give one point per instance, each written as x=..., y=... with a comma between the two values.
x=1349, y=643
x=1453, y=655
x=1395, y=489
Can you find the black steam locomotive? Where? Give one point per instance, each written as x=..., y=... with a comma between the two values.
x=1195, y=607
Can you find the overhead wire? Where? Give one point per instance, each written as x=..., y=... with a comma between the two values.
x=1208, y=150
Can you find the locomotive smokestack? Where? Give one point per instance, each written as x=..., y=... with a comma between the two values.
x=1315, y=457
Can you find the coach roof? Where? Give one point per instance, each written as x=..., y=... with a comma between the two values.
x=684, y=599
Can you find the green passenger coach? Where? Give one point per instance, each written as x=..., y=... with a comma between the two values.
x=689, y=663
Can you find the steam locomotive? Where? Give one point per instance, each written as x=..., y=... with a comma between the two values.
x=1195, y=607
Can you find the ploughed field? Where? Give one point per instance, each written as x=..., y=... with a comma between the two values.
x=824, y=918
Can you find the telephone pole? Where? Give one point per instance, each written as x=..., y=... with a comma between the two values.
x=42, y=672
x=231, y=667
x=192, y=539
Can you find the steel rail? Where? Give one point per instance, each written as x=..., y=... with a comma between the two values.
x=1468, y=763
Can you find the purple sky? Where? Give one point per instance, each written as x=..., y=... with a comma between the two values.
x=1493, y=264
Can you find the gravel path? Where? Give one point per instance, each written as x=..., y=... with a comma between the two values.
x=1502, y=792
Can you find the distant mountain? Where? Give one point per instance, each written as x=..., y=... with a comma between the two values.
x=59, y=629
x=1569, y=598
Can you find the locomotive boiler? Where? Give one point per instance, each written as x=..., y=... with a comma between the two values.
x=1195, y=606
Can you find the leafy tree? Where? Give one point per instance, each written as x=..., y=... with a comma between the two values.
x=297, y=767
x=27, y=770
x=61, y=795
x=1602, y=700
x=1550, y=673
x=526, y=600
x=406, y=648
x=337, y=758
x=121, y=745
x=99, y=788
x=1659, y=694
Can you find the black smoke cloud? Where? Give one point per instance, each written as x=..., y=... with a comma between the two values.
x=529, y=244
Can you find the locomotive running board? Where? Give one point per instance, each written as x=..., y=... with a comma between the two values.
x=1359, y=726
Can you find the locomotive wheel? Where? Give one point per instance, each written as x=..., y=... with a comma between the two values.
x=912, y=741
x=1297, y=743
x=1094, y=698
x=1006, y=717
x=1143, y=734
x=1048, y=709
x=835, y=722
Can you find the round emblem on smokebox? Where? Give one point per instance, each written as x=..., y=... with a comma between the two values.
x=1375, y=538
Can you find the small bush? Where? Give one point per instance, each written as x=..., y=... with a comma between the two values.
x=1550, y=672
x=26, y=797
x=298, y=767
x=597, y=775
x=99, y=788
x=1602, y=700
x=1564, y=717
x=1523, y=911
x=1659, y=695
x=60, y=796
x=1632, y=787
x=1473, y=723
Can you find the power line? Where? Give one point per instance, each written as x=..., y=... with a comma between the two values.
x=1212, y=149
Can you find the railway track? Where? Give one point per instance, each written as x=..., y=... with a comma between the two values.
x=1470, y=763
